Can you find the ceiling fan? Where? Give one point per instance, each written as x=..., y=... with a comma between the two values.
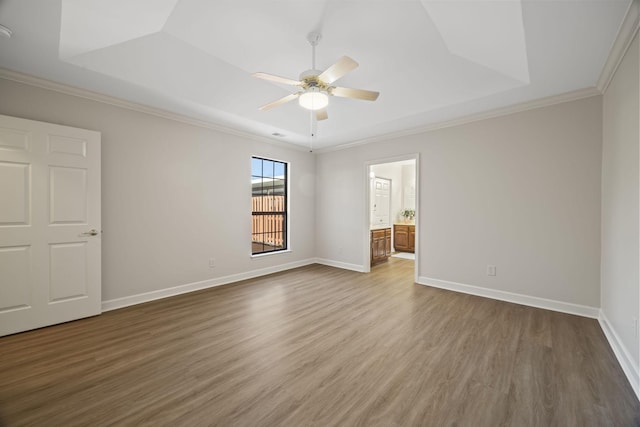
x=316, y=85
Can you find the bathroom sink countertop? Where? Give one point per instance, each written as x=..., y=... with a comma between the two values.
x=379, y=227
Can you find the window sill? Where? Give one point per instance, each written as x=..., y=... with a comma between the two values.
x=286, y=251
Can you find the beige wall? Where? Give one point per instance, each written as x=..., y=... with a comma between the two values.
x=620, y=214
x=521, y=192
x=174, y=195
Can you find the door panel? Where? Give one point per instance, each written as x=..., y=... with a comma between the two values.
x=67, y=145
x=68, y=195
x=14, y=139
x=50, y=192
x=401, y=238
x=412, y=238
x=14, y=209
x=14, y=292
x=382, y=202
x=68, y=273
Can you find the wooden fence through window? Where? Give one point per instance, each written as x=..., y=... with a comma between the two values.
x=265, y=227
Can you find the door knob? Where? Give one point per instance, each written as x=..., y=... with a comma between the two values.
x=92, y=232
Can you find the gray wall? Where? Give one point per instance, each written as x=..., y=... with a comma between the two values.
x=173, y=195
x=521, y=192
x=620, y=188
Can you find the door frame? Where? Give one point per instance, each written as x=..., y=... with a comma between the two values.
x=366, y=218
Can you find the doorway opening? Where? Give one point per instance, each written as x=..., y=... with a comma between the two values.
x=392, y=214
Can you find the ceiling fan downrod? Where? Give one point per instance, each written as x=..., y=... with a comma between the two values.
x=314, y=38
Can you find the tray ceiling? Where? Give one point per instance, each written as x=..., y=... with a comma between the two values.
x=430, y=60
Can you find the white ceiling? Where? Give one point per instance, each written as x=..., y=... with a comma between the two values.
x=431, y=61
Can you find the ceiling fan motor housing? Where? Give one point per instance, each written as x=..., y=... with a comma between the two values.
x=310, y=73
x=310, y=81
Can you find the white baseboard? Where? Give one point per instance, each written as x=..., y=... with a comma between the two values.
x=621, y=352
x=339, y=264
x=548, y=304
x=196, y=286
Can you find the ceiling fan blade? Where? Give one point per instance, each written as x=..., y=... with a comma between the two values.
x=346, y=92
x=280, y=101
x=277, y=79
x=337, y=70
x=322, y=114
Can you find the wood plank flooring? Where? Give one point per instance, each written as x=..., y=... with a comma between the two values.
x=317, y=346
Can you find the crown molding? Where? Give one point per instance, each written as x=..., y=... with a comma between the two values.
x=118, y=102
x=627, y=31
x=30, y=80
x=499, y=112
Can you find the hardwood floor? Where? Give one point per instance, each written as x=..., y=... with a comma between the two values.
x=317, y=346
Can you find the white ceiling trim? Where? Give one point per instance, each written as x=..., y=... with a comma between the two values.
x=626, y=33
x=194, y=58
x=118, y=102
x=499, y=112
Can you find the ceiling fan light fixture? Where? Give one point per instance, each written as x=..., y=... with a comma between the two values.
x=313, y=99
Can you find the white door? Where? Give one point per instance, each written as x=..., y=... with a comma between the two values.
x=381, y=202
x=50, y=239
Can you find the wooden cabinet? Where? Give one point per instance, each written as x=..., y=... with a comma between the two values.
x=380, y=245
x=404, y=237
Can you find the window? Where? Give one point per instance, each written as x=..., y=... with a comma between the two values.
x=268, y=206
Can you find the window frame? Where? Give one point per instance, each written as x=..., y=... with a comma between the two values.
x=286, y=246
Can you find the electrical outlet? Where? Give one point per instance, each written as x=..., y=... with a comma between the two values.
x=491, y=270
x=212, y=263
